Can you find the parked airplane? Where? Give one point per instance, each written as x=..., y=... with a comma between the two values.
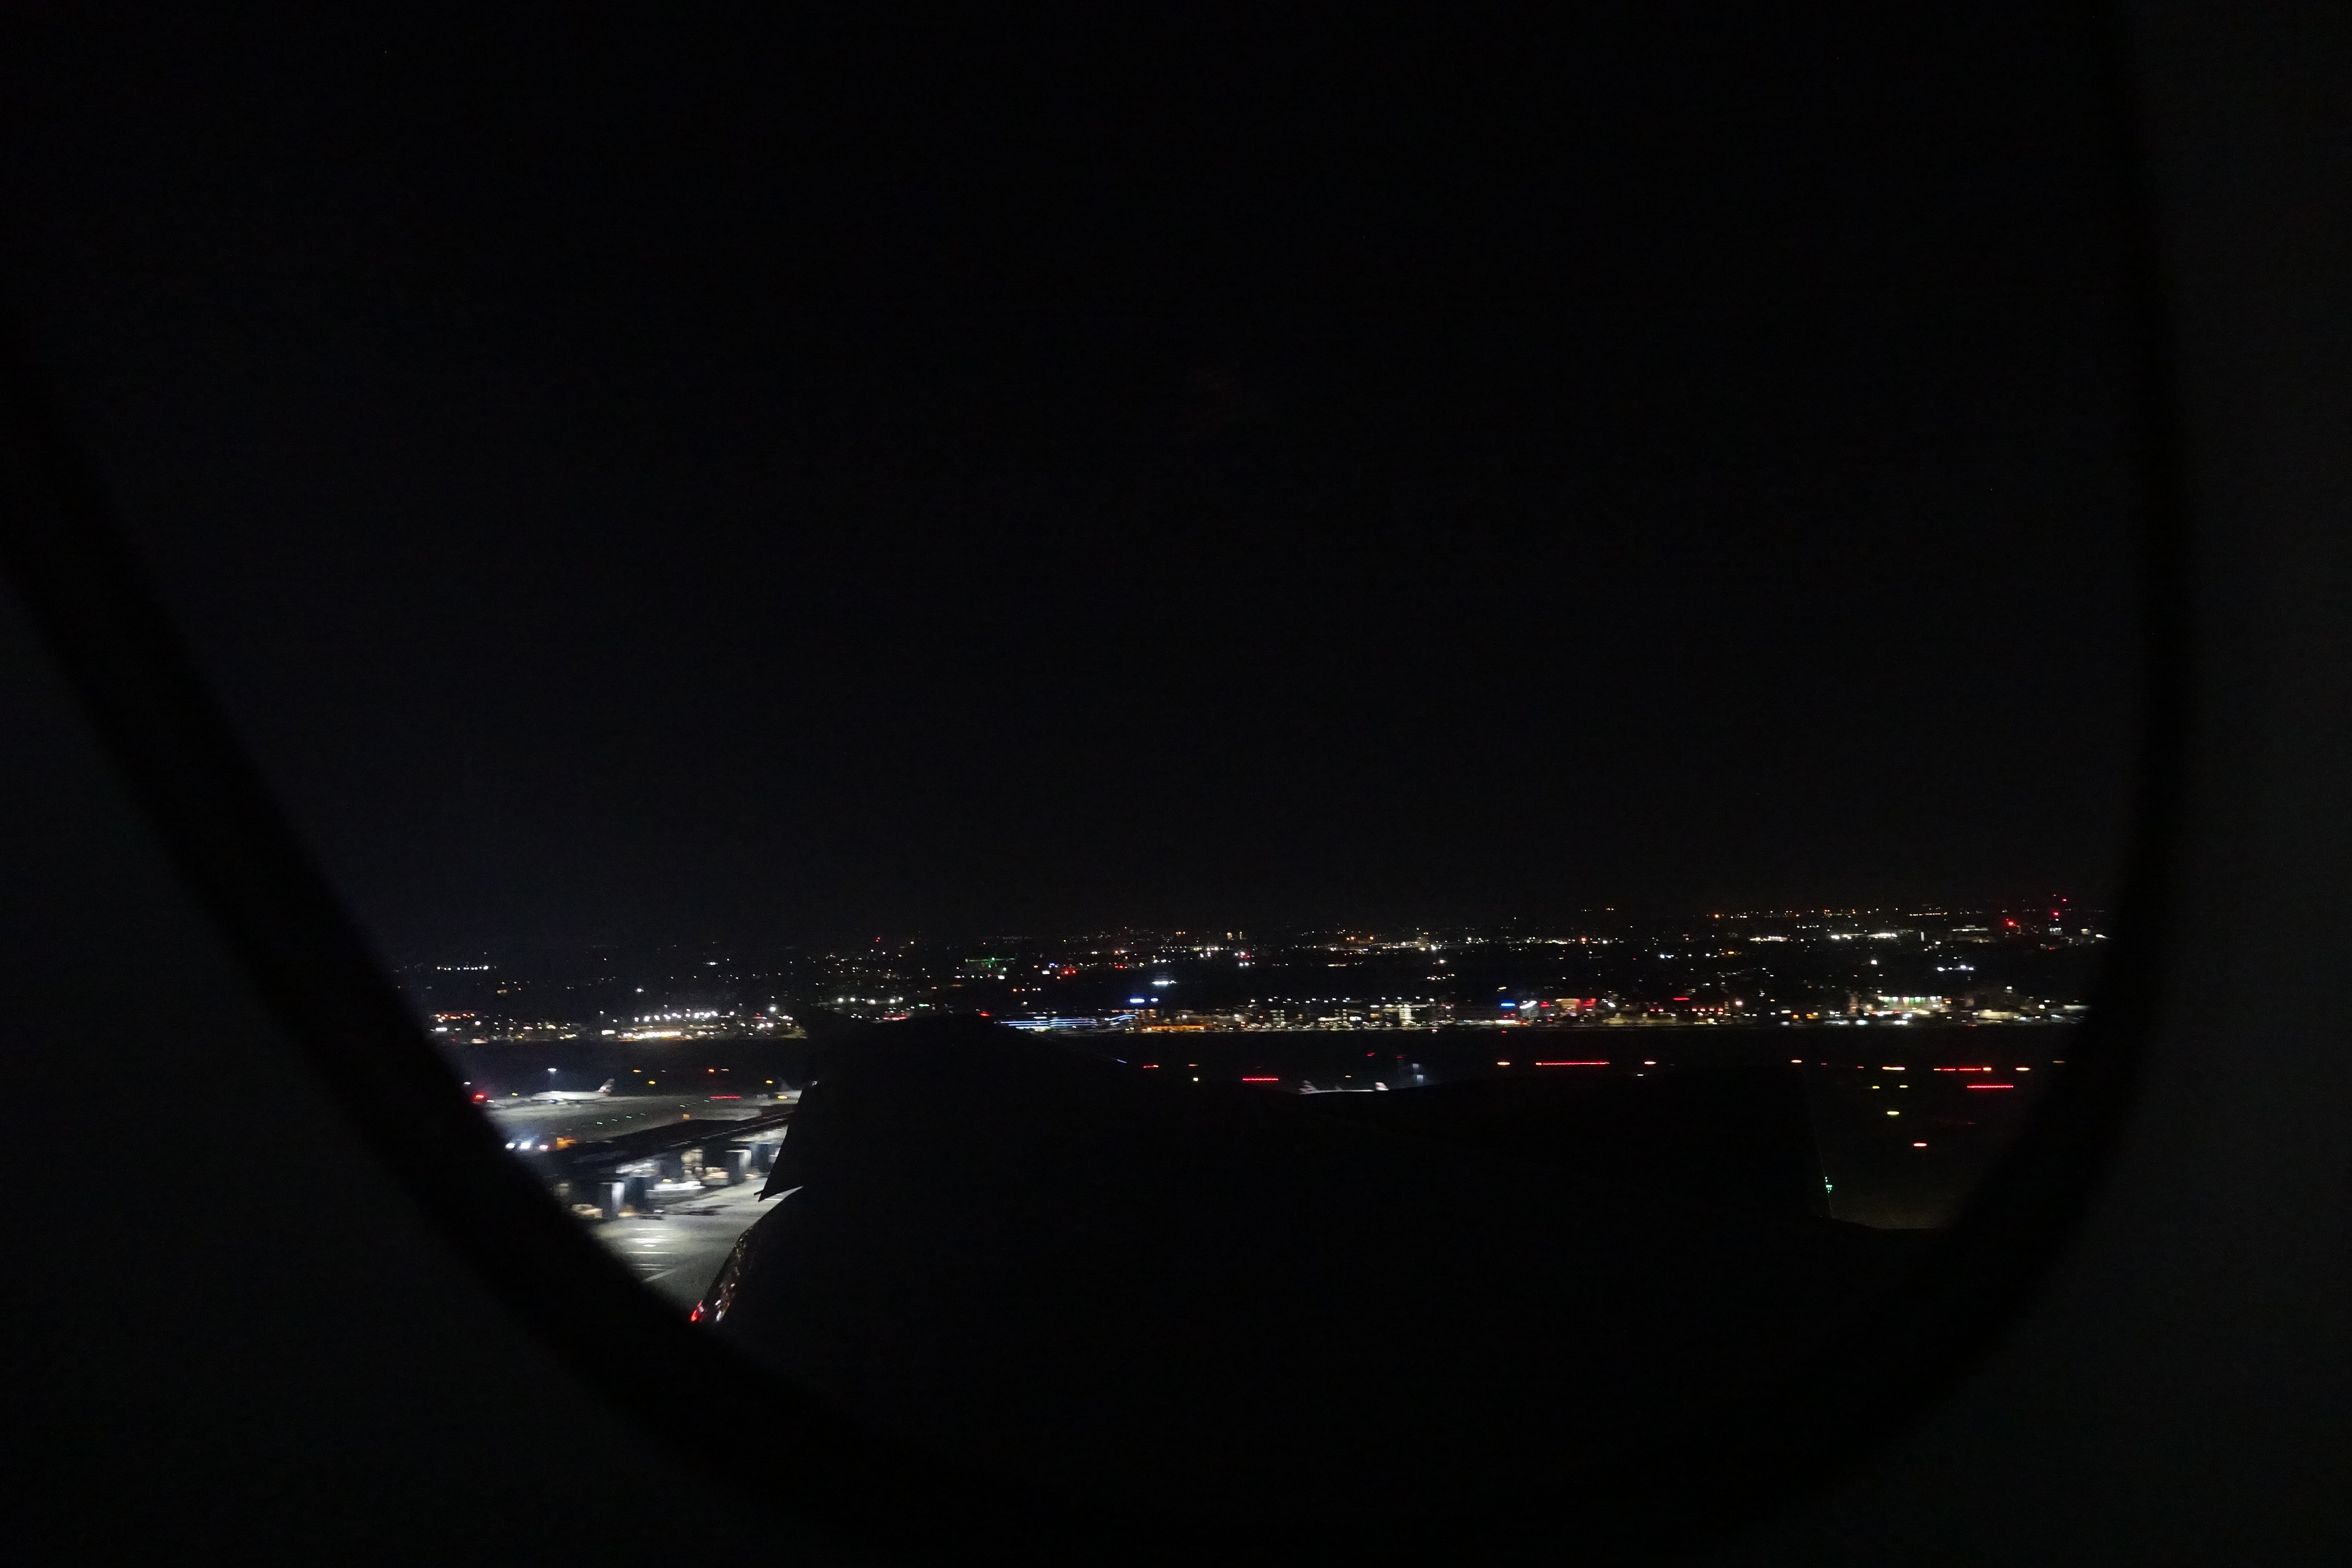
x=573, y=1095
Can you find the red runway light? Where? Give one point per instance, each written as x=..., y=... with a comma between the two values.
x=1261, y=1081
x=1571, y=1064
x=1992, y=1085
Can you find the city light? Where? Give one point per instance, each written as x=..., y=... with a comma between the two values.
x=1586, y=973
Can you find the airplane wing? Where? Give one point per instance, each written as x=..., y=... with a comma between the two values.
x=1081, y=1276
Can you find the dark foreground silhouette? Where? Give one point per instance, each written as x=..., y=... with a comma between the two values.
x=1161, y=1294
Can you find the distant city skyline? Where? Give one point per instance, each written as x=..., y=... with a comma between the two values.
x=1932, y=964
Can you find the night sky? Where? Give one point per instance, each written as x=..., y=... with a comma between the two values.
x=727, y=473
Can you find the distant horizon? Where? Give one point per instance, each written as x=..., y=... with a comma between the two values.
x=841, y=942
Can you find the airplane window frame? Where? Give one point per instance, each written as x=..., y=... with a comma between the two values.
x=305, y=954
